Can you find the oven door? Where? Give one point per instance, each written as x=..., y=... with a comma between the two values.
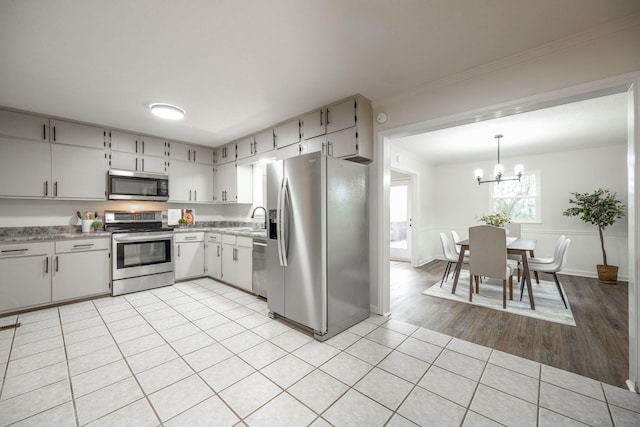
x=141, y=254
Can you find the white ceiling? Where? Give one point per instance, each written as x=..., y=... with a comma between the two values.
x=594, y=122
x=238, y=66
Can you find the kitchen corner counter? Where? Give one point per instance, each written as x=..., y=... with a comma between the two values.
x=253, y=232
x=34, y=234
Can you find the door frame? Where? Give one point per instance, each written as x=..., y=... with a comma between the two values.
x=410, y=179
x=629, y=83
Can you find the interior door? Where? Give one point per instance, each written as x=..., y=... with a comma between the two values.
x=400, y=195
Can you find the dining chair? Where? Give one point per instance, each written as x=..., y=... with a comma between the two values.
x=557, y=264
x=488, y=248
x=514, y=230
x=449, y=255
x=456, y=238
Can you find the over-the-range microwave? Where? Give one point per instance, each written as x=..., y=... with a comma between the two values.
x=130, y=185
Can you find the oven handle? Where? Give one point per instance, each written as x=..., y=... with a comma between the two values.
x=143, y=238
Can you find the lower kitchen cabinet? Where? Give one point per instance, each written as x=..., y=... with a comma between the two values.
x=237, y=261
x=189, y=255
x=213, y=255
x=80, y=269
x=25, y=278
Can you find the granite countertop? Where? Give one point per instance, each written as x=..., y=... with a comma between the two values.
x=52, y=233
x=28, y=234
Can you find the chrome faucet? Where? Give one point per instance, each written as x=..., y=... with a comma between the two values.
x=253, y=214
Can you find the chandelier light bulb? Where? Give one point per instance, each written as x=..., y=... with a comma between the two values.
x=498, y=170
x=478, y=173
x=519, y=169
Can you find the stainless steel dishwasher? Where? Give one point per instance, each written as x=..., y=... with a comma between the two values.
x=259, y=280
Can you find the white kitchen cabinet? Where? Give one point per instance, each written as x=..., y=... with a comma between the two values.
x=20, y=125
x=76, y=134
x=190, y=182
x=226, y=153
x=25, y=168
x=190, y=153
x=77, y=172
x=290, y=151
x=189, y=255
x=314, y=124
x=81, y=268
x=341, y=115
x=263, y=142
x=244, y=148
x=25, y=275
x=344, y=143
x=287, y=133
x=137, y=153
x=234, y=183
x=237, y=252
x=213, y=255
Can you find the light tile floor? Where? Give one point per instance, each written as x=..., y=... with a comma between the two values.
x=203, y=353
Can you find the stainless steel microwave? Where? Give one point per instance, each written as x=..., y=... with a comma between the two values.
x=129, y=185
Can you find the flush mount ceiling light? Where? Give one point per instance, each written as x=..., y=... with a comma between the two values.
x=498, y=170
x=167, y=111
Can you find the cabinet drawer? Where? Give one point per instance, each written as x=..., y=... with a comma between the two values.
x=246, y=242
x=214, y=237
x=229, y=239
x=189, y=237
x=82, y=245
x=24, y=249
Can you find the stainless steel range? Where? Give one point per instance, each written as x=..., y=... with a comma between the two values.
x=142, y=251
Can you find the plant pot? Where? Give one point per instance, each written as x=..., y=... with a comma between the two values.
x=607, y=274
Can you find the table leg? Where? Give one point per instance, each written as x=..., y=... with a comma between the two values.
x=463, y=249
x=535, y=273
x=527, y=278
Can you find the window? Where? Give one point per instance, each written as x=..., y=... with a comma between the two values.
x=519, y=200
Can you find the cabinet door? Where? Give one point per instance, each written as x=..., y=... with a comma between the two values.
x=189, y=260
x=313, y=124
x=213, y=253
x=179, y=181
x=180, y=151
x=227, y=153
x=122, y=141
x=152, y=146
x=25, y=168
x=21, y=125
x=226, y=183
x=245, y=148
x=287, y=133
x=80, y=274
x=229, y=271
x=244, y=267
x=263, y=142
x=124, y=161
x=76, y=134
x=243, y=184
x=203, y=155
x=341, y=116
x=289, y=151
x=343, y=143
x=319, y=143
x=202, y=182
x=153, y=164
x=24, y=282
x=78, y=172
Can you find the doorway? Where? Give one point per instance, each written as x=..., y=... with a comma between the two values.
x=401, y=214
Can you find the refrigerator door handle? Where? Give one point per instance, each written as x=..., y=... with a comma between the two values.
x=285, y=220
x=279, y=233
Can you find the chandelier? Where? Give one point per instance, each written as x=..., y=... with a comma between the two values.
x=498, y=170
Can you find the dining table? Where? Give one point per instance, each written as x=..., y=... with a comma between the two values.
x=522, y=247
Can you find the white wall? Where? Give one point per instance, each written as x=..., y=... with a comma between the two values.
x=423, y=194
x=459, y=200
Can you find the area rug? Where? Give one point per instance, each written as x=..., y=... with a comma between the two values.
x=547, y=300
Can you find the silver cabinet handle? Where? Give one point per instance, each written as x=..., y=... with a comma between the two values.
x=136, y=146
x=321, y=123
x=218, y=251
x=136, y=162
x=7, y=251
x=46, y=188
x=55, y=188
x=142, y=147
x=178, y=251
x=189, y=155
x=85, y=245
x=194, y=155
x=189, y=194
x=44, y=132
x=57, y=262
x=46, y=265
x=195, y=193
x=190, y=237
x=143, y=164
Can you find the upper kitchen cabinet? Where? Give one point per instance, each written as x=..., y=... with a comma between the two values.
x=226, y=153
x=19, y=125
x=314, y=124
x=137, y=153
x=41, y=158
x=76, y=134
x=287, y=133
x=255, y=145
x=190, y=153
x=234, y=183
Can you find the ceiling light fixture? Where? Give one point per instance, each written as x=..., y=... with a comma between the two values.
x=498, y=170
x=167, y=111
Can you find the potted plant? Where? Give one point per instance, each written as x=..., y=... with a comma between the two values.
x=497, y=219
x=601, y=208
x=182, y=222
x=96, y=225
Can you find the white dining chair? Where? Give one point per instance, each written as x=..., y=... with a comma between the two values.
x=456, y=238
x=488, y=248
x=449, y=255
x=557, y=264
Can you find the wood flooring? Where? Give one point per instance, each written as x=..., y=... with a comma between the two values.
x=598, y=347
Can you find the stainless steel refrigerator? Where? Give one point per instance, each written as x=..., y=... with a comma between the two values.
x=318, y=243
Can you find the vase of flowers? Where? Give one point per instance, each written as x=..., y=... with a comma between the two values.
x=497, y=219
